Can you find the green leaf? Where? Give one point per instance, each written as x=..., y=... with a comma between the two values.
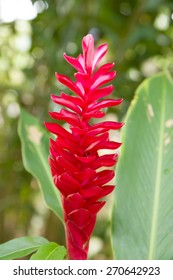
x=20, y=247
x=143, y=211
x=50, y=251
x=35, y=148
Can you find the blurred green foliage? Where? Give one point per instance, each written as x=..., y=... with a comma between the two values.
x=140, y=38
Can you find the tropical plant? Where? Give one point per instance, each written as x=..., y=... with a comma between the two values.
x=141, y=220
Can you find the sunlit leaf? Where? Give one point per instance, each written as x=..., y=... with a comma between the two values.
x=50, y=251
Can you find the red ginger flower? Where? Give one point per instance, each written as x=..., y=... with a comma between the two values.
x=74, y=157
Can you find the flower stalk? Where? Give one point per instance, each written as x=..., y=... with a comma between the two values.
x=76, y=166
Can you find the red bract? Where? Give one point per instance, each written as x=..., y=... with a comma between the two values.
x=75, y=159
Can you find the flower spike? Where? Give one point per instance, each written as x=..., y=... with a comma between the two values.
x=74, y=154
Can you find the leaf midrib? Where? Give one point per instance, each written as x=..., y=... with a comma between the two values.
x=154, y=219
x=50, y=254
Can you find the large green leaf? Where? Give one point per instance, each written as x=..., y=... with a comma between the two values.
x=20, y=247
x=50, y=251
x=35, y=149
x=143, y=211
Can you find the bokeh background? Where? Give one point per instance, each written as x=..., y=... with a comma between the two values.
x=33, y=37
